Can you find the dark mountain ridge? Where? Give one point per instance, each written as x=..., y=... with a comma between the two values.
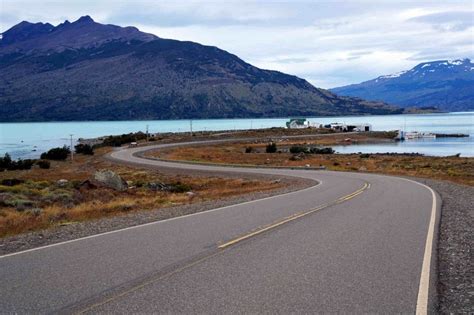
x=89, y=71
x=444, y=84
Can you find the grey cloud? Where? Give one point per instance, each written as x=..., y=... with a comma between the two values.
x=448, y=21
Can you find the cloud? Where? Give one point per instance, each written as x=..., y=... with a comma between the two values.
x=447, y=21
x=329, y=43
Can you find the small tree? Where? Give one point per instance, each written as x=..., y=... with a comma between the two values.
x=56, y=154
x=5, y=162
x=271, y=147
x=84, y=149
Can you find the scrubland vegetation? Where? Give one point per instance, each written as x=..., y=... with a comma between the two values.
x=317, y=153
x=43, y=197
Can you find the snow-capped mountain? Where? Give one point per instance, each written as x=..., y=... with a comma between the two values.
x=445, y=84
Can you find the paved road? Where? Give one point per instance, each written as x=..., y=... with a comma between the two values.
x=352, y=243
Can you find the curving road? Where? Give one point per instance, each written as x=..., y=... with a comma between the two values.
x=350, y=243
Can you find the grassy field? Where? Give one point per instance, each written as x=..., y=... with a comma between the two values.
x=455, y=169
x=39, y=201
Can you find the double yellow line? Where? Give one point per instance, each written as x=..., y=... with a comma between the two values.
x=293, y=217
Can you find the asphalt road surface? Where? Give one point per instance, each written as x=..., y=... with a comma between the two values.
x=351, y=243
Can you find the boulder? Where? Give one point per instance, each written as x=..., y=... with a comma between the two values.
x=110, y=179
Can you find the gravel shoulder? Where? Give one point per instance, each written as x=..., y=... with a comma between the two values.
x=454, y=251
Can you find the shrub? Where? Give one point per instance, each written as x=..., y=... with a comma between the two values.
x=327, y=150
x=5, y=162
x=117, y=141
x=298, y=149
x=271, y=147
x=44, y=164
x=84, y=149
x=56, y=154
x=179, y=187
x=248, y=150
x=364, y=156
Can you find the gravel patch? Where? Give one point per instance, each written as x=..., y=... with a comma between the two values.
x=455, y=239
x=81, y=229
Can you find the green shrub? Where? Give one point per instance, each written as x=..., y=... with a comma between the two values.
x=84, y=149
x=248, y=150
x=117, y=141
x=56, y=154
x=271, y=147
x=364, y=156
x=6, y=163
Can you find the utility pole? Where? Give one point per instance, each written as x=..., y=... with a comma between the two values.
x=72, y=149
x=191, y=126
x=146, y=133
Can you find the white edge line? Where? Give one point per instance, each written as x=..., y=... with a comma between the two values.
x=320, y=182
x=424, y=286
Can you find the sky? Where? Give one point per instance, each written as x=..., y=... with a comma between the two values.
x=328, y=43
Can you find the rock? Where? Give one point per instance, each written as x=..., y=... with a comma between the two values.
x=307, y=165
x=62, y=182
x=110, y=179
x=362, y=168
x=157, y=186
x=277, y=181
x=190, y=194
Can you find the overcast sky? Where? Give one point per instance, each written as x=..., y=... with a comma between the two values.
x=329, y=43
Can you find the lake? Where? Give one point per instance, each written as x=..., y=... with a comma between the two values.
x=28, y=140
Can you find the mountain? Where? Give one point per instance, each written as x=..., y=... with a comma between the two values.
x=446, y=85
x=89, y=71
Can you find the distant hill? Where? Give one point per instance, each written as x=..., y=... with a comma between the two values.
x=446, y=85
x=89, y=71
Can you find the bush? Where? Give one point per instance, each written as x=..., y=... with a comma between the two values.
x=298, y=149
x=84, y=149
x=248, y=150
x=179, y=187
x=327, y=150
x=56, y=154
x=271, y=147
x=6, y=163
x=365, y=156
x=117, y=141
x=44, y=164
x=23, y=164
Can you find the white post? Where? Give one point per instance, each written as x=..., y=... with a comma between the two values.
x=72, y=149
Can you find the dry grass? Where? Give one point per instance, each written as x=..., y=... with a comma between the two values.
x=40, y=202
x=454, y=169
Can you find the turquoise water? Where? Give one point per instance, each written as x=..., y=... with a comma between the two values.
x=20, y=139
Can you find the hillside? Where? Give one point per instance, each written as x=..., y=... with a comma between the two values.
x=446, y=85
x=89, y=71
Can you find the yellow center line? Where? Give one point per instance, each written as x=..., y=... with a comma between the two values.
x=293, y=217
x=290, y=218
